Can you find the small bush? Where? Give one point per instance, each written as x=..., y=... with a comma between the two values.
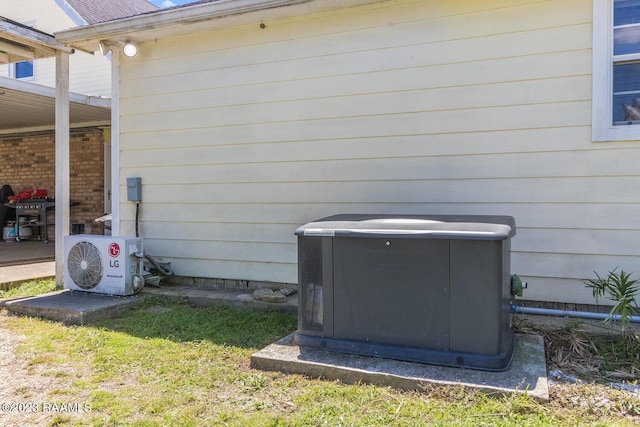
x=619, y=288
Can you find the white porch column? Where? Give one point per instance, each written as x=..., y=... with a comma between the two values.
x=62, y=161
x=115, y=142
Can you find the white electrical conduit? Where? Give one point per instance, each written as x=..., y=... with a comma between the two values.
x=567, y=313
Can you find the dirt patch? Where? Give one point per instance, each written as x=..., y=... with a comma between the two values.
x=27, y=393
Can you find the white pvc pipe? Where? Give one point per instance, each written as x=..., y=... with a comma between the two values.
x=567, y=313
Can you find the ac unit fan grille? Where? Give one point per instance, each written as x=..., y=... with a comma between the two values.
x=84, y=264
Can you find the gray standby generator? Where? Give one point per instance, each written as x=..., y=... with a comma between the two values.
x=421, y=288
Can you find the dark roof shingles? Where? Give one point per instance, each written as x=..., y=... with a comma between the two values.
x=94, y=11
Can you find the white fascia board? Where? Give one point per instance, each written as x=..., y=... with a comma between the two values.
x=45, y=44
x=88, y=37
x=50, y=92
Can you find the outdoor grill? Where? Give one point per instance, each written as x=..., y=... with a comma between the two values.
x=421, y=288
x=35, y=213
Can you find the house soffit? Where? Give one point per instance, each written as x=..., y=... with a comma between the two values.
x=25, y=105
x=28, y=106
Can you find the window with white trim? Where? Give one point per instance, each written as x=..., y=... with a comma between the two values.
x=616, y=70
x=22, y=70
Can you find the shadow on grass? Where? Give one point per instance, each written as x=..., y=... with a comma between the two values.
x=175, y=320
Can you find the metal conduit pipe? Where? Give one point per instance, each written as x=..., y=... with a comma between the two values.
x=567, y=313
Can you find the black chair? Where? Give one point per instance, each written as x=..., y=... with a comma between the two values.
x=6, y=213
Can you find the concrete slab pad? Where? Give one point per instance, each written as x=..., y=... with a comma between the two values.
x=527, y=374
x=71, y=307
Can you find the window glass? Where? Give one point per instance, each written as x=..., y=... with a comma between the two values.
x=626, y=93
x=24, y=69
x=616, y=70
x=626, y=72
x=626, y=40
x=626, y=12
x=626, y=27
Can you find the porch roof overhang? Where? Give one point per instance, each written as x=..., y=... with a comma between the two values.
x=26, y=106
x=190, y=19
x=21, y=43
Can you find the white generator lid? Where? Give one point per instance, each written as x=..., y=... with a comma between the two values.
x=477, y=227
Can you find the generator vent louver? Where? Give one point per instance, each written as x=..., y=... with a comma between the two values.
x=85, y=265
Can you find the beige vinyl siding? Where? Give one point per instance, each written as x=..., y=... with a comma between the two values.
x=90, y=74
x=473, y=107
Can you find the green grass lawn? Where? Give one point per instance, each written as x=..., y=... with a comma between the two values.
x=168, y=364
x=28, y=289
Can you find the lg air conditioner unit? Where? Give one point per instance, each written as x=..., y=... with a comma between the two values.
x=103, y=264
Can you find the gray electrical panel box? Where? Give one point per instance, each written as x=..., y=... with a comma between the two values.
x=134, y=189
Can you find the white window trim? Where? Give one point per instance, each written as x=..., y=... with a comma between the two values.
x=13, y=74
x=601, y=127
x=12, y=66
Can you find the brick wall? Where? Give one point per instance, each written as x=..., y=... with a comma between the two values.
x=28, y=162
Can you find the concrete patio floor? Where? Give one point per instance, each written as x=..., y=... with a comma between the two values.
x=25, y=261
x=26, y=252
